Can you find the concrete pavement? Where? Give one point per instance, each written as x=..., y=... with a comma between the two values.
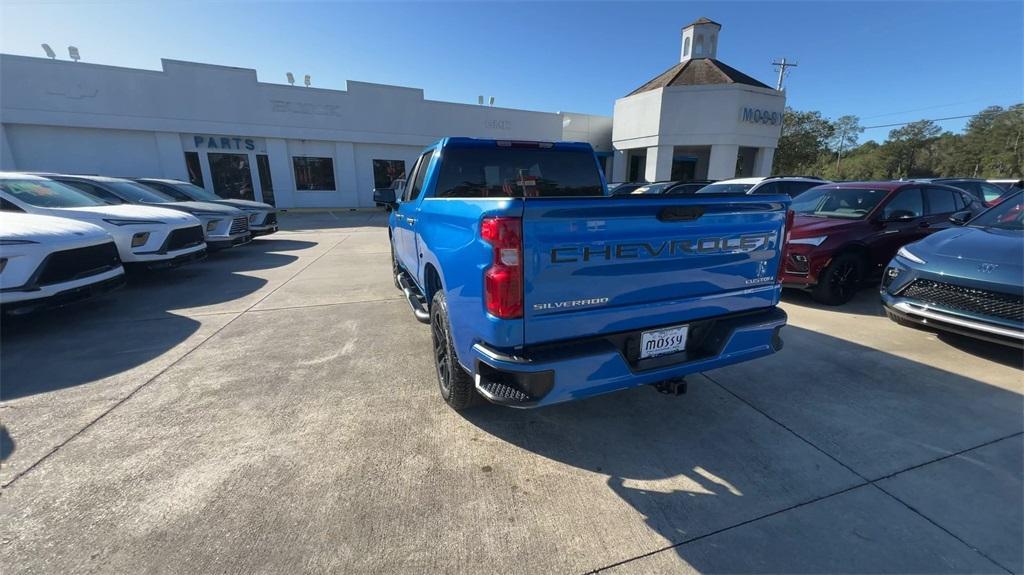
x=274, y=409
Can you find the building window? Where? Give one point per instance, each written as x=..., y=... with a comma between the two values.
x=195, y=170
x=314, y=174
x=266, y=183
x=387, y=171
x=686, y=47
x=231, y=176
x=698, y=46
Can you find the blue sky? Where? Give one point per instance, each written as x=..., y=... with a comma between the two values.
x=886, y=62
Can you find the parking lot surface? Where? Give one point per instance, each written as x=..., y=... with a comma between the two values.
x=275, y=409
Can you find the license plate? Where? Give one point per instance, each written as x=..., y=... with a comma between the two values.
x=663, y=341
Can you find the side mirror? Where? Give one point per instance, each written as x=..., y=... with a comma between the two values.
x=384, y=197
x=961, y=218
x=898, y=216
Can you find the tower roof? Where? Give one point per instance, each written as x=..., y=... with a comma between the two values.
x=702, y=20
x=699, y=72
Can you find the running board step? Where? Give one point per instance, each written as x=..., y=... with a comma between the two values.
x=502, y=393
x=415, y=299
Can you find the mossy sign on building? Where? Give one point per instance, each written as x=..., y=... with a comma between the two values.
x=756, y=116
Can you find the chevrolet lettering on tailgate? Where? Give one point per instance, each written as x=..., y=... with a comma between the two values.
x=633, y=250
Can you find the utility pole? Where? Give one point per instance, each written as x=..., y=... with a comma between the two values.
x=781, y=67
x=839, y=158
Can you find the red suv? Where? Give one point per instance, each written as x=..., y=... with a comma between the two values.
x=845, y=233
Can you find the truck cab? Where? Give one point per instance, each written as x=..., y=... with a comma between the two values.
x=541, y=288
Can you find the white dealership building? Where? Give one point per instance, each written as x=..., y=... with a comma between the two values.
x=298, y=146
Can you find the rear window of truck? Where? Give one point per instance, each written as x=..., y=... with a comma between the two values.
x=517, y=173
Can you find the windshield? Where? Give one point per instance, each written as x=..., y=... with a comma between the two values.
x=195, y=192
x=725, y=189
x=842, y=203
x=1007, y=215
x=652, y=188
x=518, y=173
x=137, y=193
x=48, y=194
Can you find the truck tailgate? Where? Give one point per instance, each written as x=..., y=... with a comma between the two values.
x=605, y=265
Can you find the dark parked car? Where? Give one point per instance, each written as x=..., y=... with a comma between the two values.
x=984, y=191
x=845, y=233
x=669, y=188
x=968, y=280
x=223, y=226
x=262, y=217
x=624, y=189
x=791, y=186
x=1008, y=184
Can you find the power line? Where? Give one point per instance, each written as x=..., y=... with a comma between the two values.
x=923, y=109
x=923, y=120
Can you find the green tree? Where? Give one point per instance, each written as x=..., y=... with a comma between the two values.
x=804, y=137
x=991, y=145
x=846, y=132
x=906, y=144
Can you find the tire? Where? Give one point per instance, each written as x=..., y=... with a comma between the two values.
x=394, y=264
x=840, y=280
x=456, y=385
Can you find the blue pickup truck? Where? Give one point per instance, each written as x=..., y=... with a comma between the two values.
x=540, y=288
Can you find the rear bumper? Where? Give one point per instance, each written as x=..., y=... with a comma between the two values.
x=18, y=302
x=577, y=369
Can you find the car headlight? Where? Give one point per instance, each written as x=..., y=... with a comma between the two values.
x=127, y=222
x=253, y=218
x=140, y=239
x=908, y=255
x=212, y=225
x=816, y=241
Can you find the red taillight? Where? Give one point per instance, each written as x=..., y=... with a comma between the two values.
x=503, y=280
x=783, y=251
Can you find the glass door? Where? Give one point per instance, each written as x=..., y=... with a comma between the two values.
x=231, y=175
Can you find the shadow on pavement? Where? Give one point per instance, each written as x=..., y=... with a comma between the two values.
x=99, y=338
x=6, y=443
x=332, y=220
x=725, y=452
x=866, y=302
x=1004, y=354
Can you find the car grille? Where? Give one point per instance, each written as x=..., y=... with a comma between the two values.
x=239, y=225
x=185, y=237
x=979, y=301
x=78, y=263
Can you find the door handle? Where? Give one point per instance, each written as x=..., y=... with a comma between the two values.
x=412, y=221
x=399, y=217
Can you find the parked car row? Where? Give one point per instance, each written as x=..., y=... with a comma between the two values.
x=844, y=234
x=941, y=256
x=989, y=192
x=67, y=237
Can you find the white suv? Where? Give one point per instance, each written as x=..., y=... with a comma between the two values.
x=47, y=261
x=792, y=187
x=146, y=236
